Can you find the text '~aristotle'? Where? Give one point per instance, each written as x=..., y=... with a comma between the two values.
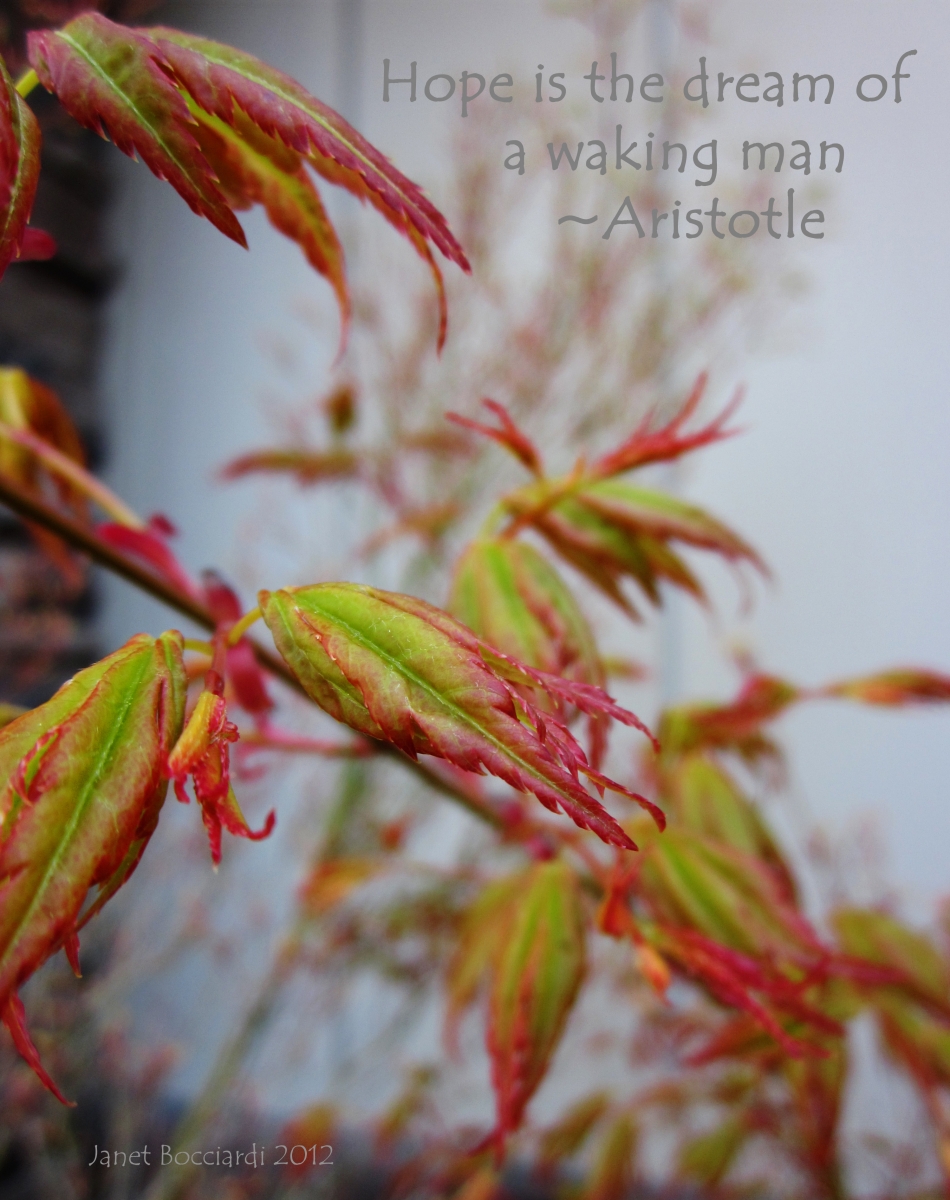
x=742, y=224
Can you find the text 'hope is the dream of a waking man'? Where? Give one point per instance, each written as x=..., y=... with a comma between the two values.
x=620, y=153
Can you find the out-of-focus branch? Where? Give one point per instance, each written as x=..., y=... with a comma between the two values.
x=80, y=537
x=74, y=473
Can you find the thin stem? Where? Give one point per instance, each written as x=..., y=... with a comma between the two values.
x=66, y=468
x=238, y=631
x=199, y=647
x=27, y=82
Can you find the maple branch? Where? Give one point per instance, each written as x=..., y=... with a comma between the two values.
x=34, y=508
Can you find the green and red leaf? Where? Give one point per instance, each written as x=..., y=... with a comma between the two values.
x=612, y=1176
x=536, y=981
x=568, y=1135
x=114, y=80
x=880, y=938
x=730, y=897
x=754, y=986
x=610, y=531
x=82, y=786
x=510, y=596
x=477, y=947
x=706, y=1158
x=706, y=800
x=227, y=131
x=896, y=688
x=252, y=168
x=736, y=727
x=219, y=77
x=400, y=670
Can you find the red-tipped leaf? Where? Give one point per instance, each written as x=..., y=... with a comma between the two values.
x=668, y=442
x=507, y=434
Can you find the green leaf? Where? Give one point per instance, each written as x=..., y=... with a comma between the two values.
x=723, y=894
x=10, y=712
x=568, y=1135
x=510, y=595
x=881, y=938
x=480, y=938
x=641, y=511
x=917, y=1040
x=707, y=801
x=705, y=1159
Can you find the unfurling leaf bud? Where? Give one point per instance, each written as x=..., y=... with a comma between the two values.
x=610, y=531
x=402, y=671
x=202, y=752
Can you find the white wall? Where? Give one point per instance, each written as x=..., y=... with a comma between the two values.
x=842, y=477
